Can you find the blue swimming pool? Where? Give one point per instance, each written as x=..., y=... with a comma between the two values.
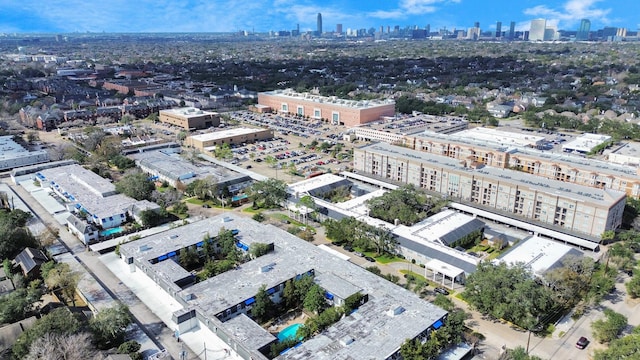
x=115, y=230
x=288, y=332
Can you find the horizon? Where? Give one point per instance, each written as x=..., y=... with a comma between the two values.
x=200, y=16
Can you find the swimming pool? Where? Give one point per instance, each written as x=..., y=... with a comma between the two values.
x=111, y=231
x=288, y=332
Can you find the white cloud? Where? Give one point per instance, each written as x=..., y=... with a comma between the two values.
x=571, y=12
x=411, y=7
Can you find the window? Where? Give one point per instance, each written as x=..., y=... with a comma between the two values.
x=335, y=118
x=300, y=110
x=317, y=113
x=285, y=107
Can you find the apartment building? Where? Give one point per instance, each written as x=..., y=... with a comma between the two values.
x=557, y=166
x=563, y=206
x=190, y=118
x=336, y=111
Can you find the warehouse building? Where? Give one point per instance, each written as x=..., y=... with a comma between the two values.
x=190, y=118
x=208, y=141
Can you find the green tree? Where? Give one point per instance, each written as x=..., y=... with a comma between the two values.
x=263, y=307
x=189, y=258
x=608, y=329
x=627, y=347
x=258, y=249
x=122, y=162
x=268, y=193
x=109, y=325
x=60, y=321
x=314, y=299
x=223, y=152
x=150, y=218
x=633, y=286
x=63, y=280
x=14, y=235
x=289, y=294
x=136, y=184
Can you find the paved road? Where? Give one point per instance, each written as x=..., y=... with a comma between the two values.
x=146, y=321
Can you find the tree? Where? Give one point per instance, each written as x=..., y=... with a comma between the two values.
x=633, y=286
x=53, y=346
x=122, y=162
x=289, y=294
x=203, y=189
x=150, y=218
x=223, y=152
x=608, y=329
x=189, y=258
x=268, y=193
x=519, y=353
x=131, y=348
x=136, y=184
x=64, y=280
x=60, y=321
x=14, y=235
x=314, y=299
x=109, y=325
x=508, y=292
x=263, y=307
x=570, y=282
x=258, y=249
x=624, y=348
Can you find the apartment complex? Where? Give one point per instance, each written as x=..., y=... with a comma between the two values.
x=336, y=111
x=190, y=118
x=232, y=136
x=561, y=205
x=556, y=166
x=223, y=304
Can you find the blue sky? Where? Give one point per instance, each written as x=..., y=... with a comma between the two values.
x=61, y=16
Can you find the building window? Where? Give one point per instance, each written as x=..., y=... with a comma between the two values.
x=285, y=108
x=335, y=118
x=300, y=110
x=317, y=114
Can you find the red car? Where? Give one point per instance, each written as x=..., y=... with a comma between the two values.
x=582, y=342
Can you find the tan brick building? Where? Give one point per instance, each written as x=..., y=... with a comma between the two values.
x=190, y=118
x=331, y=109
x=231, y=136
x=560, y=205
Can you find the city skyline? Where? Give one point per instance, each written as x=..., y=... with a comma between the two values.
x=43, y=16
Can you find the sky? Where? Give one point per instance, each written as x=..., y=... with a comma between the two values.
x=130, y=16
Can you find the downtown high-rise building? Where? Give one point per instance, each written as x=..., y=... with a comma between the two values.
x=537, y=29
x=499, y=29
x=583, y=30
x=512, y=30
x=319, y=24
x=339, y=28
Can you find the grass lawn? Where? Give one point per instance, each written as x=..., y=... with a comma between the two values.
x=162, y=189
x=417, y=276
x=195, y=201
x=388, y=258
x=251, y=210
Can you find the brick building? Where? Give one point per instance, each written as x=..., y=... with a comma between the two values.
x=190, y=118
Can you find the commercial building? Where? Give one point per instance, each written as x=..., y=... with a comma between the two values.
x=396, y=131
x=537, y=29
x=208, y=141
x=583, y=31
x=167, y=165
x=564, y=206
x=223, y=304
x=539, y=254
x=585, y=143
x=13, y=155
x=190, y=118
x=504, y=138
x=336, y=111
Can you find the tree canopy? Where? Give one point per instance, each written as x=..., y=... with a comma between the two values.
x=406, y=203
x=14, y=235
x=136, y=184
x=508, y=292
x=268, y=193
x=608, y=329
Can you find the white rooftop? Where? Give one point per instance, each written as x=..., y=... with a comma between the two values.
x=500, y=137
x=187, y=112
x=585, y=142
x=304, y=186
x=333, y=100
x=539, y=254
x=226, y=134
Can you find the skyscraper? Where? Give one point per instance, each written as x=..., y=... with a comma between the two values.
x=583, y=31
x=499, y=29
x=512, y=30
x=339, y=28
x=536, y=31
x=319, y=21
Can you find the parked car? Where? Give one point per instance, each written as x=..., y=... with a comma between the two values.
x=348, y=247
x=369, y=259
x=358, y=254
x=441, y=290
x=582, y=342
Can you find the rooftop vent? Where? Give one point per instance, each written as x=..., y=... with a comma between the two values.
x=395, y=311
x=347, y=340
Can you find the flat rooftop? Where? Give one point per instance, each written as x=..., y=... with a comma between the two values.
x=223, y=134
x=9, y=149
x=187, y=112
x=376, y=332
x=586, y=142
x=331, y=100
x=571, y=160
x=577, y=192
x=500, y=137
x=442, y=227
x=539, y=254
x=322, y=181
